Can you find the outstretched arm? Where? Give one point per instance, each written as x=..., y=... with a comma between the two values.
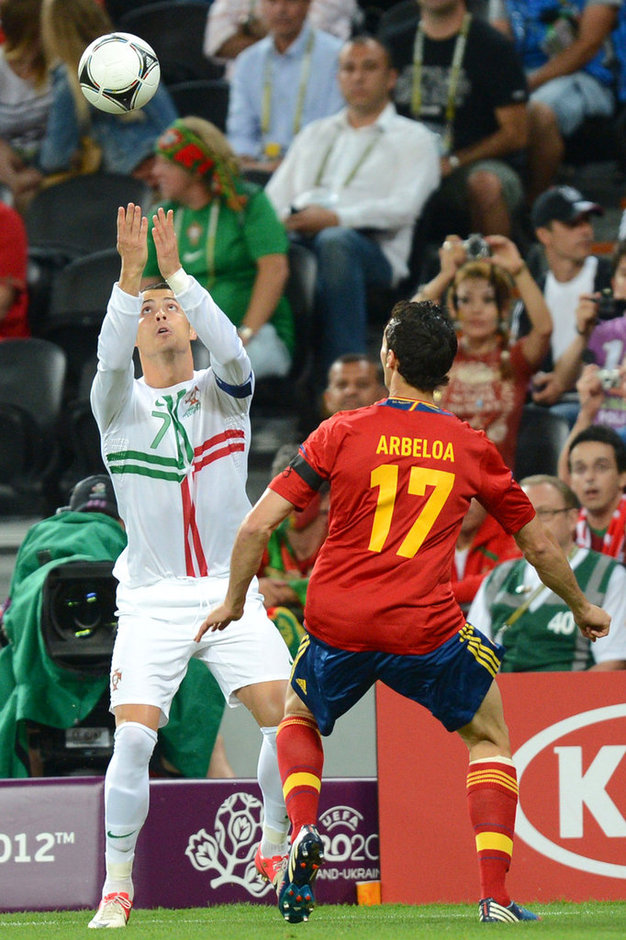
x=250, y=543
x=228, y=358
x=116, y=342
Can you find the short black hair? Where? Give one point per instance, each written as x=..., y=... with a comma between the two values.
x=601, y=434
x=363, y=38
x=424, y=340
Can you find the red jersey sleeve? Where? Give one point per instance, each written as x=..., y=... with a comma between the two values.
x=305, y=474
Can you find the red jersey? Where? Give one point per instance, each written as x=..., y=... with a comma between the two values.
x=13, y=260
x=402, y=474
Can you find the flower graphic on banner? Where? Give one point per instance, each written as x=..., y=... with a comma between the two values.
x=230, y=851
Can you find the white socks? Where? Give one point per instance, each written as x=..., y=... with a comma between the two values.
x=126, y=800
x=275, y=819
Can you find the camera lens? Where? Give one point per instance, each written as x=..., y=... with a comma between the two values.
x=79, y=612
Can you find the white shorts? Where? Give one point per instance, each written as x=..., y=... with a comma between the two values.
x=155, y=641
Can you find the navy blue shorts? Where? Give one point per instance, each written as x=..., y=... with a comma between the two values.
x=450, y=682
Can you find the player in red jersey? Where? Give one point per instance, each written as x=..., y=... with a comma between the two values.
x=380, y=605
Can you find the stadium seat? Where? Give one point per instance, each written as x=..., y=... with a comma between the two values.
x=291, y=395
x=32, y=378
x=70, y=219
x=78, y=301
x=203, y=97
x=540, y=439
x=175, y=30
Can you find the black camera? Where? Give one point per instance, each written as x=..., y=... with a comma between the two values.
x=78, y=619
x=609, y=307
x=476, y=248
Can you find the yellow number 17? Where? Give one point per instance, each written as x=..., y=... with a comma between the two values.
x=385, y=477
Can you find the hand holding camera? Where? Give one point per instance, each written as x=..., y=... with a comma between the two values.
x=586, y=314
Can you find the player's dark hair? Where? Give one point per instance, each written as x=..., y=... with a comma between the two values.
x=424, y=340
x=602, y=435
x=162, y=285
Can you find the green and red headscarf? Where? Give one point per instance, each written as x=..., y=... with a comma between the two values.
x=184, y=148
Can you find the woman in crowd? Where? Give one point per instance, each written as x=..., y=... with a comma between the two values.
x=24, y=98
x=490, y=375
x=230, y=239
x=124, y=143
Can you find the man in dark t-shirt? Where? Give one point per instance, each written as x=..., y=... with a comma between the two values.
x=463, y=79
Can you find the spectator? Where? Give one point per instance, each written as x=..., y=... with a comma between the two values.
x=489, y=377
x=535, y=627
x=462, y=78
x=24, y=98
x=118, y=143
x=233, y=25
x=13, y=264
x=230, y=239
x=281, y=84
x=354, y=380
x=482, y=544
x=563, y=48
x=601, y=391
x=358, y=181
x=596, y=468
x=562, y=219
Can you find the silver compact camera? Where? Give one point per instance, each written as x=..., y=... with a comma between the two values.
x=476, y=247
x=609, y=378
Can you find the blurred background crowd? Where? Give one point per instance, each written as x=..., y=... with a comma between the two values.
x=347, y=155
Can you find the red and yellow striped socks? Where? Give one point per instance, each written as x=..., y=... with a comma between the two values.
x=492, y=799
x=300, y=762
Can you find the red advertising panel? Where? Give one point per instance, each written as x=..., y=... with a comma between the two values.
x=568, y=736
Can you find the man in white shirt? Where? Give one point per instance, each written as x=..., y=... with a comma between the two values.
x=562, y=219
x=352, y=185
x=175, y=442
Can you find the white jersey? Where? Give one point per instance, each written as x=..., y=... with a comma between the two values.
x=177, y=456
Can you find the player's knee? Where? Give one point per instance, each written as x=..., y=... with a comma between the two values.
x=134, y=743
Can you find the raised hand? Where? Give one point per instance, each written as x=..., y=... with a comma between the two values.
x=165, y=242
x=132, y=246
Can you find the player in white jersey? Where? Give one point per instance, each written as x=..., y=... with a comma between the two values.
x=175, y=443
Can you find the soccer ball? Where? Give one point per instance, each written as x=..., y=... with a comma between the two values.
x=118, y=72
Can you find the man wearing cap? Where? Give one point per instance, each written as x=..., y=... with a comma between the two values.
x=281, y=83
x=562, y=219
x=32, y=687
